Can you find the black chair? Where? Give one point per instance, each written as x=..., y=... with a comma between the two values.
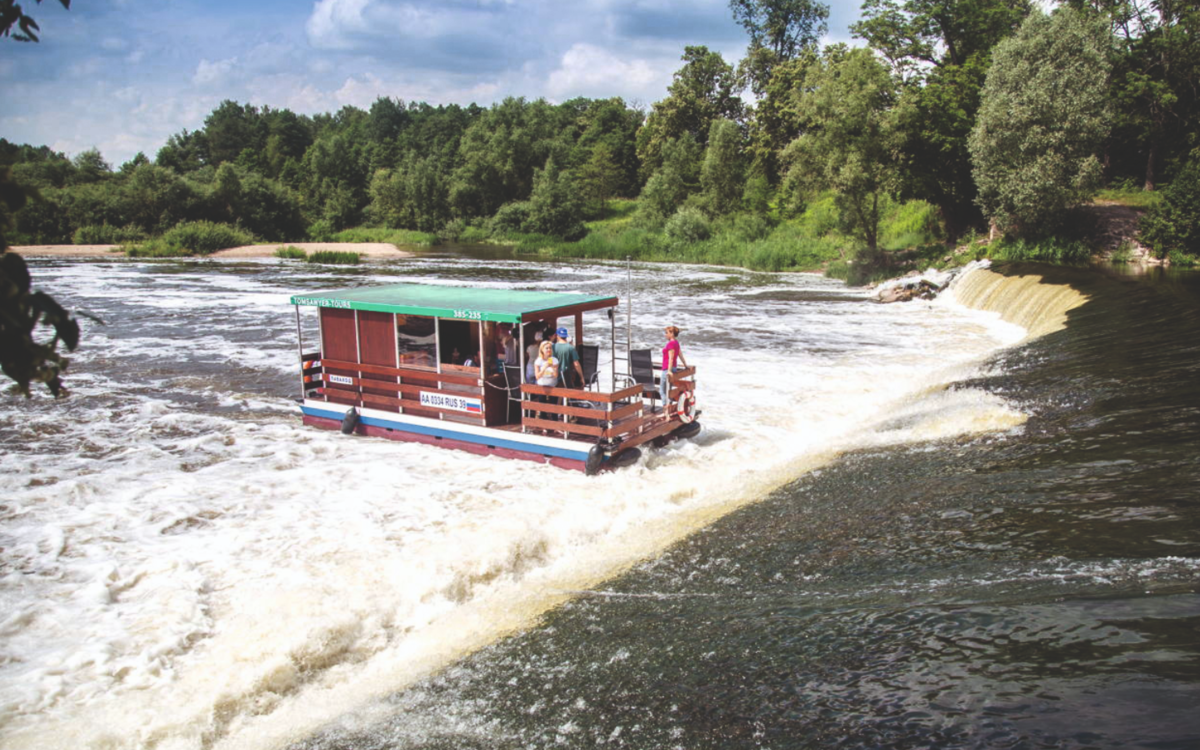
x=641, y=371
x=589, y=360
x=512, y=384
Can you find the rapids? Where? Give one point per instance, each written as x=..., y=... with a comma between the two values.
x=901, y=522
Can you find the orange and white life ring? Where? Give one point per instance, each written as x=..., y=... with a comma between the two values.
x=686, y=407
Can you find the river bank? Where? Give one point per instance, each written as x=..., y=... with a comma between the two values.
x=373, y=250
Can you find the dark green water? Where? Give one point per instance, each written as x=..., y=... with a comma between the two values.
x=1028, y=591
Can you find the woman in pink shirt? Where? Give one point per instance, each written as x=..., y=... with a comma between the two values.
x=672, y=360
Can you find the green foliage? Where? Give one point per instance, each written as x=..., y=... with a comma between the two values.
x=393, y=236
x=851, y=139
x=156, y=248
x=688, y=225
x=1172, y=227
x=1182, y=259
x=191, y=238
x=1051, y=250
x=205, y=237
x=1043, y=117
x=334, y=257
x=910, y=224
x=1129, y=196
x=106, y=234
x=554, y=205
x=703, y=90
x=721, y=176
x=670, y=186
x=291, y=252
x=509, y=219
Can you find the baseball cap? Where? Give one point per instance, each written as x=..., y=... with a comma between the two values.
x=562, y=333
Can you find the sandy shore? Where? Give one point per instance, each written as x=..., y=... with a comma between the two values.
x=367, y=249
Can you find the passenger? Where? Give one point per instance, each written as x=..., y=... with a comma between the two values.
x=531, y=354
x=512, y=351
x=671, y=362
x=572, y=370
x=546, y=367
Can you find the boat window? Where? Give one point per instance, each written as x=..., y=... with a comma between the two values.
x=416, y=341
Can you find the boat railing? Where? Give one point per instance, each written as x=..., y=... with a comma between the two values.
x=389, y=388
x=624, y=417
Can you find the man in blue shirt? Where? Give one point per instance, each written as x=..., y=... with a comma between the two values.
x=571, y=369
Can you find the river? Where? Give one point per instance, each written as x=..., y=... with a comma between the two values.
x=966, y=523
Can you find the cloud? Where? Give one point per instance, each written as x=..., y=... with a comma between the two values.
x=588, y=70
x=213, y=72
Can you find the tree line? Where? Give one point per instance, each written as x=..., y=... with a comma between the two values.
x=992, y=111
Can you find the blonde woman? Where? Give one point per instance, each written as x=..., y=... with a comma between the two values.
x=545, y=369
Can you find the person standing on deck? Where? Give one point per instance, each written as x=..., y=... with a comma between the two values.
x=571, y=369
x=672, y=360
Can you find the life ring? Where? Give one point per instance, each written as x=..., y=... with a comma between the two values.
x=686, y=408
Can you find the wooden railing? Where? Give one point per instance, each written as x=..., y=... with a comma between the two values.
x=391, y=389
x=619, y=417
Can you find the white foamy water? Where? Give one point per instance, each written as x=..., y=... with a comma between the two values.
x=184, y=565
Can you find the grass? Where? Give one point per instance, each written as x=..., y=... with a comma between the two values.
x=336, y=257
x=1051, y=250
x=155, y=249
x=291, y=252
x=1128, y=196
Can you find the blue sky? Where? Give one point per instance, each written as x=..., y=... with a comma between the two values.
x=124, y=75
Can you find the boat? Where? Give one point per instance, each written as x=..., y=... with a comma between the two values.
x=389, y=363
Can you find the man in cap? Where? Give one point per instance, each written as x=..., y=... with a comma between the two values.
x=571, y=369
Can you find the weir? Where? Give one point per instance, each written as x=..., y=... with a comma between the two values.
x=1021, y=295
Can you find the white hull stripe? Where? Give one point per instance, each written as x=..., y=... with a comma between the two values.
x=466, y=433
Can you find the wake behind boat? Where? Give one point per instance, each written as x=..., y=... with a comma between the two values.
x=432, y=364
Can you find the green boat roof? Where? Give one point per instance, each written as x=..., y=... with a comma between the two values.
x=499, y=305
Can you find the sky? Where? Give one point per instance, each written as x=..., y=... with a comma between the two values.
x=123, y=76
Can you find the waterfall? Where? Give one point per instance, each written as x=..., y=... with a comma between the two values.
x=1027, y=296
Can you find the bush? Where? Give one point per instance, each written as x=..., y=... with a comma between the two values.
x=205, y=237
x=106, y=234
x=291, y=252
x=320, y=230
x=155, y=249
x=1180, y=258
x=510, y=219
x=336, y=257
x=688, y=225
x=1173, y=224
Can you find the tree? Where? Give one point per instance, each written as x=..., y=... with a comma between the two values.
x=779, y=30
x=670, y=186
x=850, y=138
x=598, y=178
x=721, y=176
x=1155, y=84
x=704, y=90
x=554, y=206
x=1043, y=117
x=22, y=357
x=941, y=51
x=12, y=15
